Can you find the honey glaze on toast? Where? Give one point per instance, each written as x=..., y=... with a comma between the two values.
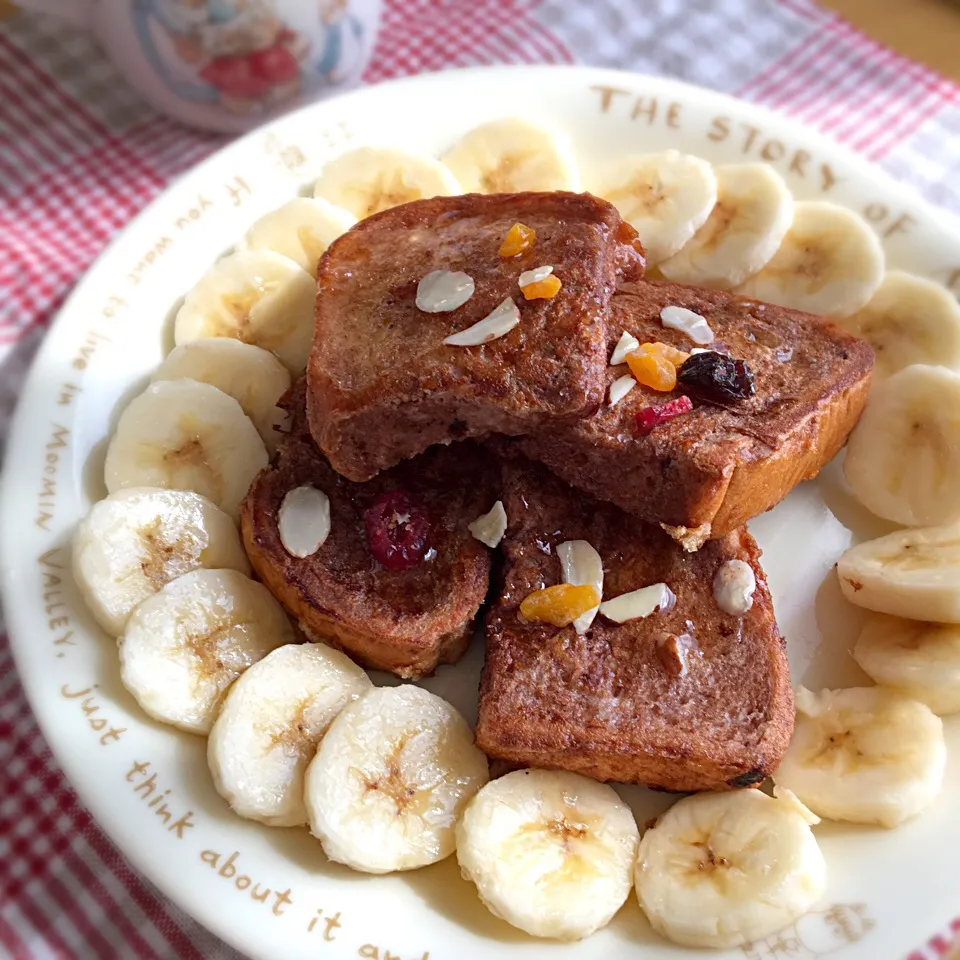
x=685, y=700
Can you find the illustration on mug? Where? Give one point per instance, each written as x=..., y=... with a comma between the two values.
x=249, y=56
x=817, y=934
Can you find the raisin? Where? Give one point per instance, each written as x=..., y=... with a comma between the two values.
x=649, y=417
x=397, y=531
x=713, y=376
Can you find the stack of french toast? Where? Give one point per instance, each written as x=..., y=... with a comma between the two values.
x=506, y=414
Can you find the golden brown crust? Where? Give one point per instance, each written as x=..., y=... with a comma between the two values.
x=402, y=621
x=382, y=386
x=608, y=704
x=717, y=465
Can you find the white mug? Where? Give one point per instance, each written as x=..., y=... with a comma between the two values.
x=229, y=65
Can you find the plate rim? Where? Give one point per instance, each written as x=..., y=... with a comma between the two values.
x=19, y=442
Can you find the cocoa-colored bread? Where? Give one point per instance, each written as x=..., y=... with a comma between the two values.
x=712, y=469
x=382, y=386
x=613, y=703
x=404, y=621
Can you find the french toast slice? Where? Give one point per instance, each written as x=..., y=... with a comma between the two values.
x=404, y=621
x=708, y=471
x=635, y=702
x=383, y=386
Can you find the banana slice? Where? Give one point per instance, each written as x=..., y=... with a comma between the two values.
x=903, y=457
x=829, y=262
x=183, y=647
x=666, y=196
x=301, y=229
x=909, y=320
x=918, y=660
x=725, y=869
x=512, y=156
x=550, y=852
x=864, y=754
x=368, y=180
x=256, y=296
x=269, y=726
x=185, y=435
x=753, y=212
x=914, y=574
x=254, y=378
x=390, y=780
x=136, y=541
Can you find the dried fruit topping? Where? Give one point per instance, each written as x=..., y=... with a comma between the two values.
x=544, y=289
x=675, y=356
x=652, y=368
x=714, y=376
x=539, y=283
x=397, y=531
x=649, y=417
x=519, y=239
x=560, y=604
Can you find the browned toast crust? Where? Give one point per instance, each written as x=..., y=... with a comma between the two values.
x=382, y=386
x=714, y=465
x=607, y=704
x=405, y=621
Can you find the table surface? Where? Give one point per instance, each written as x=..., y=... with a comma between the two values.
x=926, y=30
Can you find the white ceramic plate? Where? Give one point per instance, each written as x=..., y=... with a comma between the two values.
x=268, y=891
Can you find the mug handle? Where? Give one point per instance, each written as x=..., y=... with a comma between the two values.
x=78, y=13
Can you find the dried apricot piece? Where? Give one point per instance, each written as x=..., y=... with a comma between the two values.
x=560, y=604
x=652, y=369
x=519, y=239
x=542, y=289
x=675, y=356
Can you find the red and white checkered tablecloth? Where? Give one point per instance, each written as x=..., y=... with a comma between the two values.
x=80, y=155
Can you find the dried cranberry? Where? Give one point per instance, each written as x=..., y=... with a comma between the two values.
x=649, y=417
x=397, y=531
x=714, y=376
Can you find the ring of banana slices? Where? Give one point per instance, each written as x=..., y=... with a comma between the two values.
x=389, y=779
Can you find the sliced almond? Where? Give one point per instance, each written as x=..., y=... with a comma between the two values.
x=535, y=275
x=304, y=521
x=443, y=290
x=626, y=344
x=688, y=322
x=733, y=587
x=494, y=325
x=639, y=603
x=620, y=388
x=581, y=566
x=490, y=527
